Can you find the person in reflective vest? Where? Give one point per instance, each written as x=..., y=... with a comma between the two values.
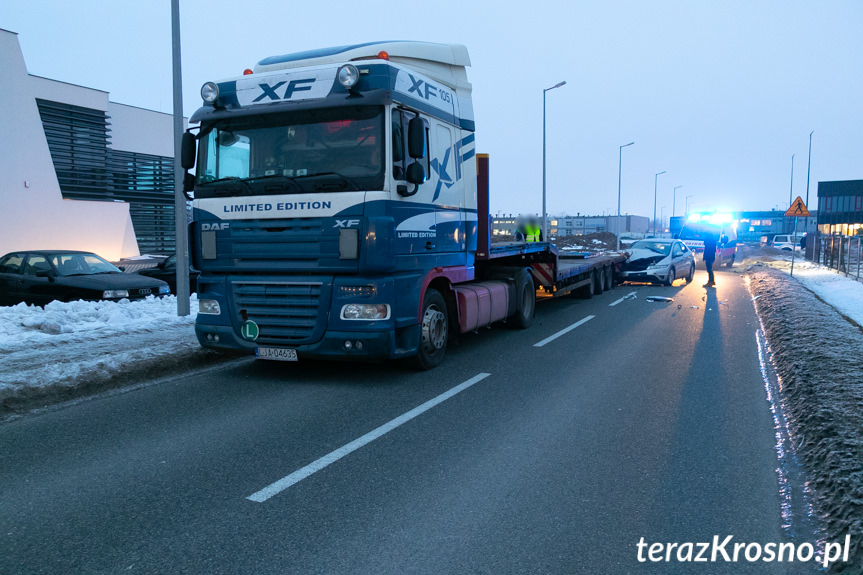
x=532, y=232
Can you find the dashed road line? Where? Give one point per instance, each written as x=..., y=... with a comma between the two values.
x=300, y=474
x=564, y=331
x=614, y=303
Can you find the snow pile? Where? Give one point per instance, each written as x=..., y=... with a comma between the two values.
x=816, y=354
x=79, y=345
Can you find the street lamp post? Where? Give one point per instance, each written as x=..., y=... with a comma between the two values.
x=619, y=173
x=808, y=171
x=791, y=190
x=674, y=201
x=687, y=203
x=655, y=179
x=544, y=215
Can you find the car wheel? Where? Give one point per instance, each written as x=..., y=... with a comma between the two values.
x=525, y=300
x=434, y=330
x=671, y=276
x=691, y=273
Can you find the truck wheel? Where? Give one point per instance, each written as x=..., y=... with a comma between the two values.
x=600, y=282
x=609, y=278
x=434, y=329
x=525, y=300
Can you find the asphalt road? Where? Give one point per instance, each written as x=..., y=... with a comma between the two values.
x=648, y=420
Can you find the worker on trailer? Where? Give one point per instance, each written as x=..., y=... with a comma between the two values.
x=528, y=230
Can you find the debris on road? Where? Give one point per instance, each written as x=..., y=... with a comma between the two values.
x=658, y=298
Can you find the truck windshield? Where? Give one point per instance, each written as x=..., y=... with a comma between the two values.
x=329, y=150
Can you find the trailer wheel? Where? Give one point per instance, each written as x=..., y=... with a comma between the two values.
x=587, y=291
x=525, y=300
x=600, y=282
x=434, y=329
x=609, y=278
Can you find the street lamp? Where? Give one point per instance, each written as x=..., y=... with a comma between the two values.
x=655, y=178
x=544, y=215
x=687, y=203
x=674, y=201
x=619, y=172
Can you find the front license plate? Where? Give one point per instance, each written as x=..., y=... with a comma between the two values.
x=276, y=353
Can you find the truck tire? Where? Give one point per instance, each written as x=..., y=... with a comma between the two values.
x=434, y=330
x=609, y=278
x=600, y=282
x=525, y=300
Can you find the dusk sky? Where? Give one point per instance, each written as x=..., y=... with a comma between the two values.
x=718, y=94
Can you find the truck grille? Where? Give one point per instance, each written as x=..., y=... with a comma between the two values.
x=286, y=312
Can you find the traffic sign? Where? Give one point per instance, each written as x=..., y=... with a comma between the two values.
x=798, y=209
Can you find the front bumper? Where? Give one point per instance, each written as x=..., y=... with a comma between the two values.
x=645, y=275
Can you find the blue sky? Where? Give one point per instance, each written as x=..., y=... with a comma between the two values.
x=718, y=94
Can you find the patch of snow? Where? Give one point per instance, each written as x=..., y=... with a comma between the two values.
x=69, y=343
x=843, y=293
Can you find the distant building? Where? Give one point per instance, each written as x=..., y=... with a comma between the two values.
x=840, y=207
x=753, y=225
x=78, y=171
x=574, y=225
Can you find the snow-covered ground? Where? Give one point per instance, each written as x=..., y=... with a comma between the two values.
x=69, y=345
x=843, y=293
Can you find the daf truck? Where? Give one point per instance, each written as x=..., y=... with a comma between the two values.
x=340, y=211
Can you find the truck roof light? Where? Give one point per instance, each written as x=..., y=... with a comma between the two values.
x=383, y=55
x=247, y=72
x=348, y=75
x=210, y=92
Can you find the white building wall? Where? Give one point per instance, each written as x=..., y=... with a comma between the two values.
x=34, y=213
x=141, y=131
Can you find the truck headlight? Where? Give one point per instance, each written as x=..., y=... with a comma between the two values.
x=115, y=293
x=365, y=311
x=209, y=307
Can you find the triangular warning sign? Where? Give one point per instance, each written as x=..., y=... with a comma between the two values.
x=798, y=209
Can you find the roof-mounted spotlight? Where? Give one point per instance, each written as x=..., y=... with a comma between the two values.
x=210, y=92
x=348, y=75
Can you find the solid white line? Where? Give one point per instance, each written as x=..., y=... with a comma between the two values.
x=334, y=456
x=614, y=303
x=564, y=331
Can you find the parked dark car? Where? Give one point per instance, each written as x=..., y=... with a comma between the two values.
x=167, y=272
x=40, y=277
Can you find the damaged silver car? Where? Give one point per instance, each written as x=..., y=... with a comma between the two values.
x=658, y=260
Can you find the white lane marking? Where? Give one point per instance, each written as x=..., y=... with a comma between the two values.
x=614, y=303
x=564, y=331
x=332, y=457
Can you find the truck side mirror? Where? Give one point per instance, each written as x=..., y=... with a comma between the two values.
x=416, y=138
x=188, y=150
x=416, y=173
